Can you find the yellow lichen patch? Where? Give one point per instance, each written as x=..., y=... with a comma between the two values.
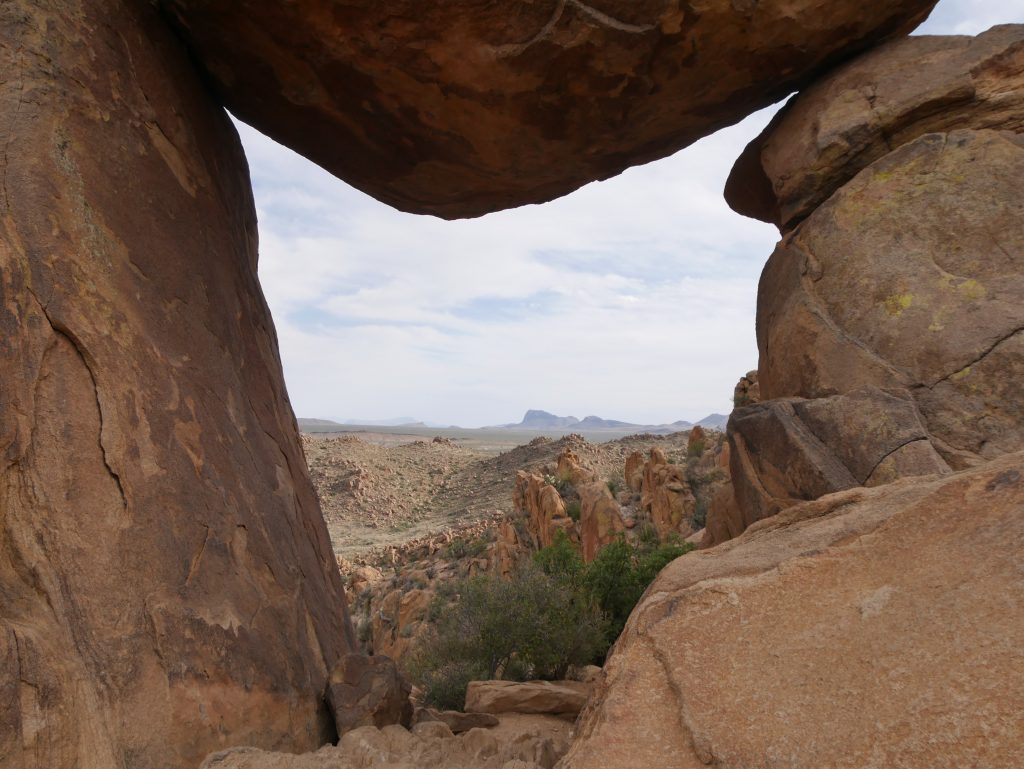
x=972, y=290
x=895, y=304
x=961, y=374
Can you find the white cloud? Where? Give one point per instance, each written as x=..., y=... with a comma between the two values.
x=631, y=298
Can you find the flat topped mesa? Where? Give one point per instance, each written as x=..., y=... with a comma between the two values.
x=465, y=107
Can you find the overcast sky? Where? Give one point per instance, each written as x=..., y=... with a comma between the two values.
x=631, y=299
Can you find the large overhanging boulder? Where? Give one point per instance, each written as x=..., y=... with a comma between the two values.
x=469, y=106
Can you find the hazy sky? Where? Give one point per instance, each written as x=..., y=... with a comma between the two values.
x=631, y=299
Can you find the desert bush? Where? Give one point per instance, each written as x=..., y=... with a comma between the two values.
x=561, y=560
x=615, y=485
x=574, y=510
x=696, y=449
x=533, y=624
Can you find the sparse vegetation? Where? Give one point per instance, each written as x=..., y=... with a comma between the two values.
x=696, y=449
x=533, y=625
x=615, y=485
x=574, y=509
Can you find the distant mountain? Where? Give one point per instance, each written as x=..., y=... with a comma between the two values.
x=318, y=425
x=535, y=419
x=715, y=421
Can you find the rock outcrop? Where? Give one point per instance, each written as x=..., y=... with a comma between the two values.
x=871, y=627
x=911, y=276
x=368, y=691
x=543, y=505
x=600, y=519
x=554, y=698
x=462, y=108
x=789, y=450
x=877, y=102
x=168, y=586
x=666, y=495
x=523, y=742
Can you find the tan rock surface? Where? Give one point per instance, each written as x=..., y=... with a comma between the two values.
x=466, y=107
x=561, y=698
x=167, y=580
x=872, y=105
x=368, y=691
x=911, y=276
x=600, y=518
x=666, y=495
x=871, y=628
x=517, y=742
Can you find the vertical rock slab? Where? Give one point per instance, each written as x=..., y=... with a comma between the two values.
x=469, y=106
x=166, y=580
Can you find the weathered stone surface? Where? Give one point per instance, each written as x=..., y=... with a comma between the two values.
x=517, y=742
x=559, y=698
x=789, y=450
x=666, y=495
x=168, y=586
x=458, y=721
x=696, y=442
x=747, y=390
x=872, y=105
x=874, y=627
x=600, y=518
x=543, y=505
x=569, y=468
x=911, y=276
x=461, y=108
x=368, y=691
x=634, y=470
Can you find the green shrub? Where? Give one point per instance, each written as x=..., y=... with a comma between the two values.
x=696, y=449
x=561, y=560
x=615, y=485
x=574, y=510
x=532, y=624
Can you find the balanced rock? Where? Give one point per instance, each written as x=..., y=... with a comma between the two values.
x=872, y=105
x=871, y=627
x=465, y=107
x=557, y=698
x=168, y=585
x=911, y=276
x=368, y=691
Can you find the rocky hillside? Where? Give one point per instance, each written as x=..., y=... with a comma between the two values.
x=431, y=513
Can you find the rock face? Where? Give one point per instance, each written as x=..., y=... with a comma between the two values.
x=543, y=505
x=911, y=276
x=168, y=586
x=790, y=449
x=528, y=742
x=556, y=698
x=600, y=519
x=868, y=628
x=466, y=107
x=368, y=691
x=877, y=102
x=666, y=495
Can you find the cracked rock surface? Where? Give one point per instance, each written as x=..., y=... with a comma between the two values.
x=469, y=106
x=911, y=276
x=166, y=580
x=870, y=628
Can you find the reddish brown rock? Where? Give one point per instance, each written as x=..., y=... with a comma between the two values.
x=747, y=390
x=696, y=443
x=789, y=450
x=666, y=495
x=634, y=471
x=569, y=468
x=872, y=105
x=558, y=698
x=600, y=518
x=874, y=625
x=465, y=107
x=542, y=504
x=168, y=583
x=368, y=691
x=911, y=276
